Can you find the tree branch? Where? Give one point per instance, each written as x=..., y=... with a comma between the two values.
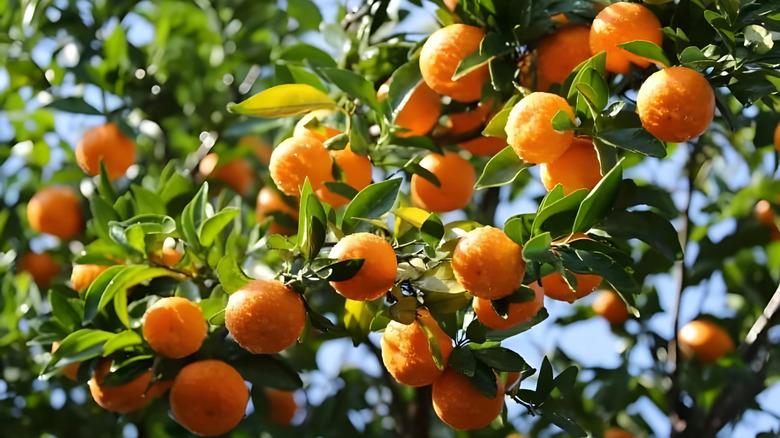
x=759, y=329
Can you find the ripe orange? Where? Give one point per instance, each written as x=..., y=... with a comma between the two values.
x=442, y=53
x=518, y=313
x=765, y=215
x=456, y=177
x=355, y=171
x=620, y=23
x=488, y=263
x=171, y=257
x=265, y=316
x=470, y=121
x=236, y=174
x=315, y=126
x=557, y=54
x=705, y=340
x=484, y=146
x=556, y=288
x=407, y=353
x=70, y=371
x=174, y=327
x=529, y=128
x=108, y=144
x=459, y=404
x=676, y=104
x=83, y=275
x=209, y=397
x=616, y=432
x=298, y=158
x=420, y=113
x=281, y=406
x=55, y=210
x=377, y=274
x=777, y=136
x=269, y=201
x=127, y=397
x=578, y=168
x=611, y=307
x=41, y=267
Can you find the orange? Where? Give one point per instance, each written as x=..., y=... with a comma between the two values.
x=442, y=53
x=616, y=432
x=705, y=340
x=676, y=104
x=518, y=313
x=108, y=144
x=557, y=55
x=556, y=288
x=777, y=136
x=55, y=210
x=174, y=327
x=83, y=275
x=407, y=353
x=456, y=177
x=355, y=171
x=420, y=113
x=470, y=121
x=209, y=397
x=621, y=23
x=127, y=397
x=41, y=267
x=171, y=257
x=611, y=307
x=578, y=168
x=236, y=174
x=460, y=405
x=71, y=370
x=529, y=128
x=766, y=216
x=298, y=158
x=484, y=146
x=451, y=4
x=281, y=406
x=269, y=201
x=377, y=274
x=512, y=379
x=311, y=125
x=261, y=149
x=488, y=263
x=265, y=316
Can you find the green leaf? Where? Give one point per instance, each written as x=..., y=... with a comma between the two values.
x=433, y=344
x=565, y=423
x=496, y=125
x=146, y=202
x=432, y=230
x=403, y=83
x=78, y=346
x=462, y=360
x=502, y=359
x=210, y=229
x=491, y=47
x=230, y=275
x=646, y=226
x=306, y=13
x=519, y=228
x=115, y=48
x=503, y=168
x=562, y=122
x=623, y=129
x=73, y=105
x=758, y=38
x=283, y=101
x=121, y=341
x=372, y=202
x=340, y=270
x=359, y=136
x=193, y=216
x=600, y=200
x=357, y=319
x=264, y=370
x=312, y=223
x=647, y=49
x=538, y=249
x=66, y=310
x=353, y=84
x=561, y=210
x=114, y=281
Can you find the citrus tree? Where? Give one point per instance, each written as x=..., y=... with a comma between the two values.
x=252, y=183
